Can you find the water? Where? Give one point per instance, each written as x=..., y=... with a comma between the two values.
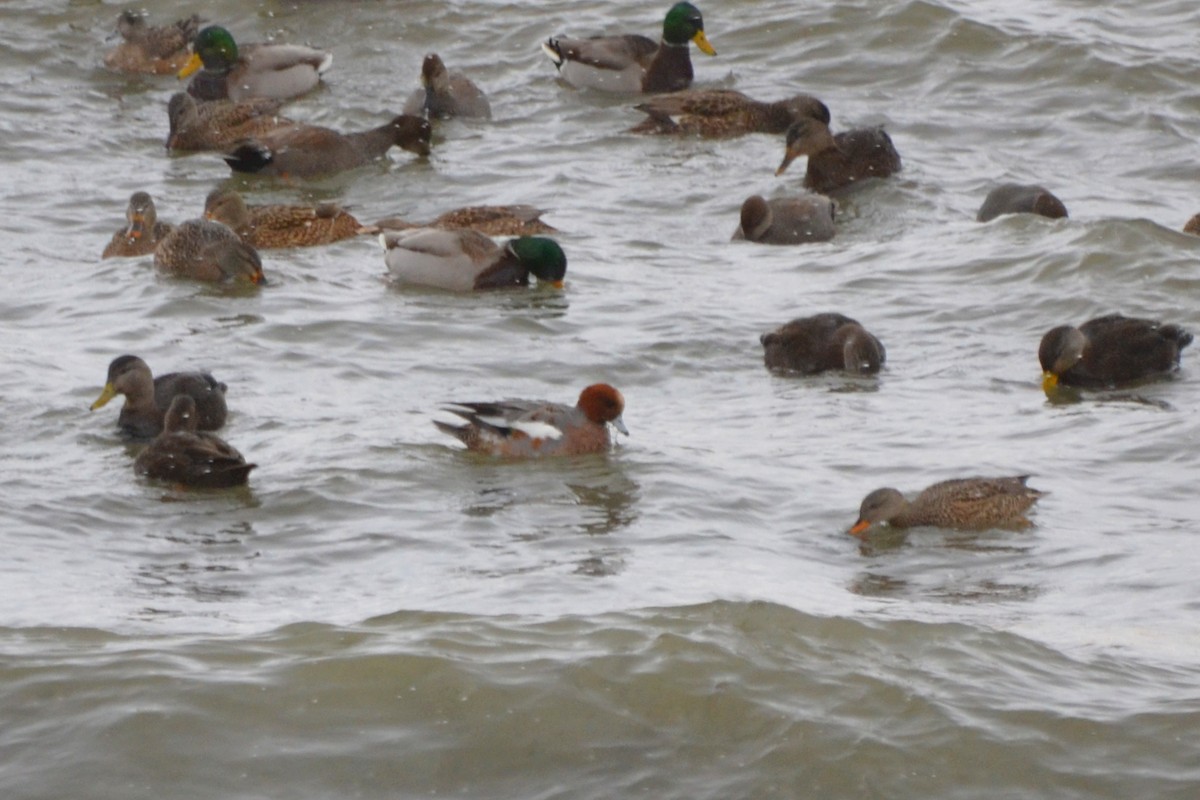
x=382, y=615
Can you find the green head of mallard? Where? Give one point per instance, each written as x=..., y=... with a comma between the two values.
x=214, y=49
x=684, y=24
x=542, y=257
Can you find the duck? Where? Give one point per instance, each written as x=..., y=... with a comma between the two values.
x=514, y=220
x=962, y=504
x=143, y=230
x=184, y=455
x=147, y=397
x=444, y=94
x=633, y=63
x=808, y=345
x=277, y=71
x=269, y=226
x=786, y=220
x=312, y=151
x=151, y=50
x=464, y=260
x=1016, y=198
x=536, y=428
x=724, y=113
x=219, y=124
x=208, y=251
x=841, y=161
x=1192, y=226
x=1110, y=351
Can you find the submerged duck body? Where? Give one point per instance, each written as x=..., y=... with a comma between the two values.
x=829, y=341
x=142, y=232
x=223, y=71
x=786, y=220
x=724, y=113
x=515, y=220
x=147, y=49
x=444, y=94
x=184, y=455
x=208, y=251
x=962, y=504
x=1110, y=351
x=465, y=260
x=838, y=162
x=1014, y=198
x=270, y=226
x=147, y=398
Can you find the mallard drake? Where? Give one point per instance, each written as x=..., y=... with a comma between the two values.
x=786, y=220
x=147, y=398
x=518, y=220
x=809, y=345
x=962, y=504
x=310, y=151
x=184, y=455
x=465, y=260
x=278, y=71
x=532, y=428
x=634, y=63
x=142, y=231
x=1110, y=351
x=836, y=162
x=151, y=50
x=724, y=113
x=219, y=124
x=1013, y=198
x=279, y=225
x=208, y=251
x=446, y=94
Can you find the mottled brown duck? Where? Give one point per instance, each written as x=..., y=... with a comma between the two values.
x=147, y=398
x=208, y=251
x=516, y=220
x=149, y=49
x=724, y=113
x=219, y=124
x=841, y=161
x=142, y=232
x=1110, y=351
x=961, y=504
x=809, y=345
x=271, y=226
x=444, y=94
x=186, y=456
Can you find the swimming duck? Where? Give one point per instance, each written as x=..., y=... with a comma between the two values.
x=465, y=260
x=310, y=151
x=962, y=503
x=154, y=50
x=518, y=220
x=182, y=454
x=809, y=345
x=219, y=124
x=723, y=113
x=142, y=233
x=279, y=71
x=835, y=162
x=1013, y=198
x=1192, y=226
x=270, y=226
x=786, y=220
x=147, y=398
x=634, y=63
x=1110, y=351
x=527, y=428
x=208, y=251
x=446, y=94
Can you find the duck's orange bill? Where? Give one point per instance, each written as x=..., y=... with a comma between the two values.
x=702, y=42
x=194, y=63
x=860, y=528
x=1049, y=382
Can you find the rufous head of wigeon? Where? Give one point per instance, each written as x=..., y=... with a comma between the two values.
x=602, y=403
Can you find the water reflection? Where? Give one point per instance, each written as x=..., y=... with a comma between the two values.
x=200, y=566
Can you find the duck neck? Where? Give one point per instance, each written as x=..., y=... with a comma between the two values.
x=670, y=70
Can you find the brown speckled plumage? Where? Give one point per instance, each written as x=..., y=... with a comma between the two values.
x=962, y=503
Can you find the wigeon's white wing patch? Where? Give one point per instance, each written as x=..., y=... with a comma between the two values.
x=534, y=429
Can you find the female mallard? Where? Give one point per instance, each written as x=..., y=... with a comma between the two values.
x=634, y=63
x=1013, y=198
x=147, y=398
x=531, y=428
x=835, y=162
x=786, y=220
x=809, y=345
x=208, y=251
x=219, y=124
x=518, y=220
x=278, y=71
x=1192, y=226
x=279, y=225
x=963, y=504
x=311, y=151
x=154, y=50
x=446, y=94
x=143, y=231
x=1110, y=351
x=466, y=260
x=184, y=455
x=723, y=113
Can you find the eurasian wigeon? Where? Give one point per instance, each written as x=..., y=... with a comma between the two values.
x=466, y=260
x=1110, y=351
x=838, y=162
x=962, y=503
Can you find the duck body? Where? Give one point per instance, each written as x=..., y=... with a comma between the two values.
x=724, y=113
x=1013, y=198
x=633, y=63
x=153, y=50
x=208, y=251
x=219, y=124
x=271, y=226
x=444, y=94
x=786, y=220
x=147, y=397
x=961, y=504
x=1110, y=351
x=808, y=345
x=841, y=161
x=223, y=71
x=184, y=455
x=464, y=260
x=142, y=232
x=515, y=220
x=312, y=151
x=535, y=428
